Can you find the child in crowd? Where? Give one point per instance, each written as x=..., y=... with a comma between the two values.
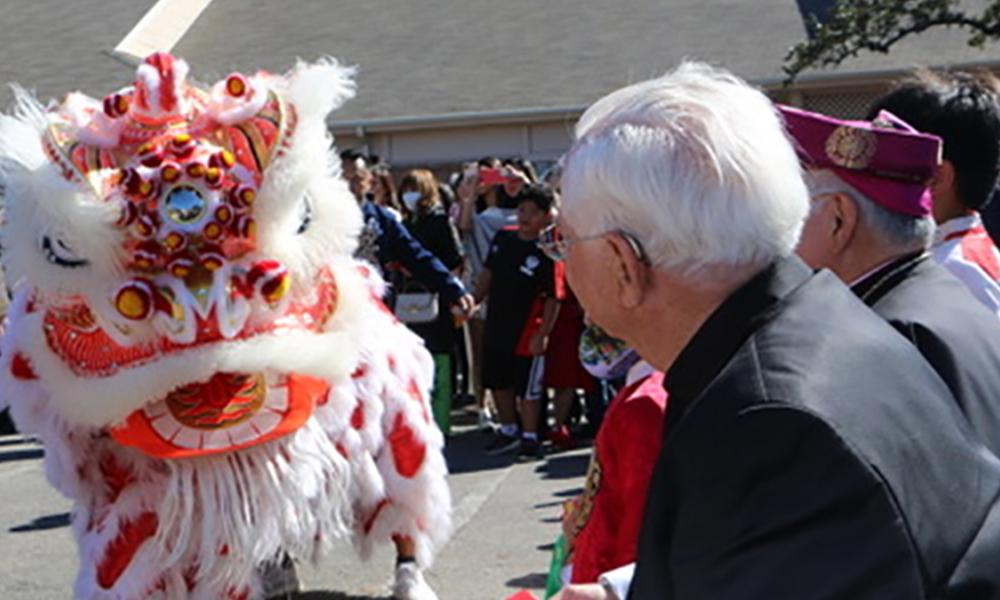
x=516, y=272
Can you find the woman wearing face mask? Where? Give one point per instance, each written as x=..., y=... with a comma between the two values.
x=429, y=224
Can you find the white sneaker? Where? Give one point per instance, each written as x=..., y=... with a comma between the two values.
x=486, y=422
x=410, y=584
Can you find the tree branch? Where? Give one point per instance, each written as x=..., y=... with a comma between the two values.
x=869, y=25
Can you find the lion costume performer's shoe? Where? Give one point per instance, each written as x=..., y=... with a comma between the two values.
x=214, y=377
x=409, y=584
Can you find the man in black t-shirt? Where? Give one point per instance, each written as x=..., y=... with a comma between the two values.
x=520, y=282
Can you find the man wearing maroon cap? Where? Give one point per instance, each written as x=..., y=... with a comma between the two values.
x=871, y=224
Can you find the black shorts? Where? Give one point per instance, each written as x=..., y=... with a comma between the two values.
x=502, y=370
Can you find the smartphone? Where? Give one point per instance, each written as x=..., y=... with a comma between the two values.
x=492, y=176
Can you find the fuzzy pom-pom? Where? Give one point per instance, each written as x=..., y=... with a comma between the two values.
x=321, y=87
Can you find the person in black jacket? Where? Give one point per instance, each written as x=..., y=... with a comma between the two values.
x=429, y=224
x=875, y=236
x=809, y=451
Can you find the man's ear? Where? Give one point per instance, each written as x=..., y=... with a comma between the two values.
x=631, y=275
x=943, y=181
x=845, y=216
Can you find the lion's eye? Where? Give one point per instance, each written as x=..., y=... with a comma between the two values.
x=58, y=253
x=305, y=214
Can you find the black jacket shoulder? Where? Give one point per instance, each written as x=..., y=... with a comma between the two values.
x=957, y=335
x=826, y=459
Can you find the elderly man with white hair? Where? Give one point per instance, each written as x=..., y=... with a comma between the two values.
x=809, y=451
x=871, y=224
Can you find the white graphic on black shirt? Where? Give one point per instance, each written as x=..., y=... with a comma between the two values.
x=531, y=263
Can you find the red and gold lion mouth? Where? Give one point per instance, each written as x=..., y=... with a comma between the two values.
x=229, y=412
x=225, y=400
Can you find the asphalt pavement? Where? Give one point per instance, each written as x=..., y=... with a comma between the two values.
x=506, y=517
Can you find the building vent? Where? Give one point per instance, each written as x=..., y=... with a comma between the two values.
x=843, y=104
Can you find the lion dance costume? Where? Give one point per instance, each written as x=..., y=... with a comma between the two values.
x=214, y=377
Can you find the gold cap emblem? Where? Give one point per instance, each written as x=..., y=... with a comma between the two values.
x=851, y=147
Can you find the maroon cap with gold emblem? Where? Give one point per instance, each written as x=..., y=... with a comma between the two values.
x=887, y=160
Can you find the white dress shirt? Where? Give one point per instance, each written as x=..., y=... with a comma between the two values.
x=962, y=246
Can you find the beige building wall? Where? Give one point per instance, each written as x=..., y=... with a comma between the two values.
x=539, y=141
x=445, y=142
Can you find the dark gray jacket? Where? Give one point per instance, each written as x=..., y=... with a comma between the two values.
x=810, y=452
x=953, y=331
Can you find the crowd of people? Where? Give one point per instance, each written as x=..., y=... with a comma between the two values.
x=467, y=274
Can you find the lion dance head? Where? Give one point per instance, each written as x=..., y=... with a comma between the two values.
x=189, y=334
x=168, y=247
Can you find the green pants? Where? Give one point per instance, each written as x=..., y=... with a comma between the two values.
x=441, y=394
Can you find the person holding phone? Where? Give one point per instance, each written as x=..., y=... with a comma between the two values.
x=484, y=211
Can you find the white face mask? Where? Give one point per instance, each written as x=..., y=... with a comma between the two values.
x=410, y=199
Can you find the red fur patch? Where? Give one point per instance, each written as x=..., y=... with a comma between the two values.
x=116, y=477
x=414, y=391
x=408, y=452
x=190, y=575
x=370, y=521
x=20, y=367
x=358, y=416
x=118, y=554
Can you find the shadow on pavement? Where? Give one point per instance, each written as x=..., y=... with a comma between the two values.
x=570, y=493
x=529, y=581
x=12, y=455
x=14, y=440
x=324, y=595
x=42, y=523
x=464, y=453
x=564, y=467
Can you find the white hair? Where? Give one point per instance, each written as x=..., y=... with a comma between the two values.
x=695, y=164
x=900, y=231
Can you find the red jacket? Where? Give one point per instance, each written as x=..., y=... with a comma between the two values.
x=610, y=509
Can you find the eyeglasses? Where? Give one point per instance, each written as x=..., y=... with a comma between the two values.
x=552, y=242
